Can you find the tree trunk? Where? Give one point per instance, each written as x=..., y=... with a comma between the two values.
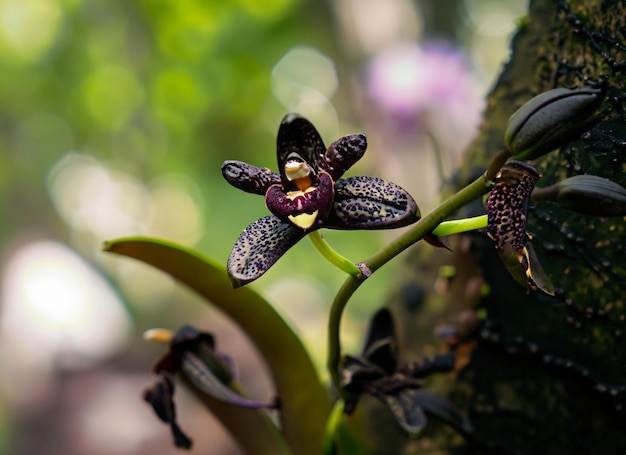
x=542, y=374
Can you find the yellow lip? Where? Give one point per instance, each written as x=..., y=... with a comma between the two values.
x=304, y=220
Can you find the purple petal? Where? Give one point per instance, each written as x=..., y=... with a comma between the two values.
x=507, y=212
x=161, y=397
x=259, y=246
x=343, y=153
x=200, y=375
x=297, y=135
x=371, y=203
x=405, y=408
x=249, y=178
x=443, y=410
x=507, y=205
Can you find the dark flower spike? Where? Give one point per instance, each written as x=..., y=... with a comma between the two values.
x=378, y=373
x=308, y=194
x=192, y=354
x=507, y=211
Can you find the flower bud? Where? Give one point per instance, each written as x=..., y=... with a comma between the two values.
x=551, y=119
x=590, y=195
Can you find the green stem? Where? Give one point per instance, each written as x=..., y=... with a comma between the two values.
x=424, y=226
x=428, y=223
x=332, y=256
x=462, y=225
x=332, y=424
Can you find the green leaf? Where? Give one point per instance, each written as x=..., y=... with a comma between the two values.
x=304, y=401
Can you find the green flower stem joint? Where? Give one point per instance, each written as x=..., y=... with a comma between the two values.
x=307, y=194
x=431, y=223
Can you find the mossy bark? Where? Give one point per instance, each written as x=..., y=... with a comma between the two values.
x=541, y=374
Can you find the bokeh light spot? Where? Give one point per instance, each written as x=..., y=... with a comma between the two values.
x=177, y=209
x=303, y=81
x=29, y=28
x=112, y=93
x=56, y=312
x=92, y=198
x=303, y=67
x=179, y=93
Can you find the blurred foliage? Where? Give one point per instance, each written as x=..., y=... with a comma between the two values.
x=128, y=108
x=149, y=88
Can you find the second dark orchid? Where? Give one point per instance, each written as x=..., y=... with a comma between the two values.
x=307, y=194
x=379, y=373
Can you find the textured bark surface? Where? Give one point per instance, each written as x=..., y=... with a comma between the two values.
x=543, y=374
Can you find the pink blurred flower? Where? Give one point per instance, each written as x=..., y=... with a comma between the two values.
x=407, y=80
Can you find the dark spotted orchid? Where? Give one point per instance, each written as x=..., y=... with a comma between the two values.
x=507, y=212
x=379, y=373
x=307, y=194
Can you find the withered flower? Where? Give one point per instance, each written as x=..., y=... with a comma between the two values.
x=192, y=355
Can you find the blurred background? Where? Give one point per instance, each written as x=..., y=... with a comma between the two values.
x=115, y=118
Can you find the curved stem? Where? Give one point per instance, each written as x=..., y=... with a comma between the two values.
x=428, y=223
x=333, y=422
x=332, y=256
x=350, y=285
x=424, y=226
x=438, y=157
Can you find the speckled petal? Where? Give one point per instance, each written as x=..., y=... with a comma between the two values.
x=405, y=408
x=371, y=203
x=249, y=178
x=507, y=205
x=343, y=153
x=259, y=246
x=297, y=134
x=507, y=213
